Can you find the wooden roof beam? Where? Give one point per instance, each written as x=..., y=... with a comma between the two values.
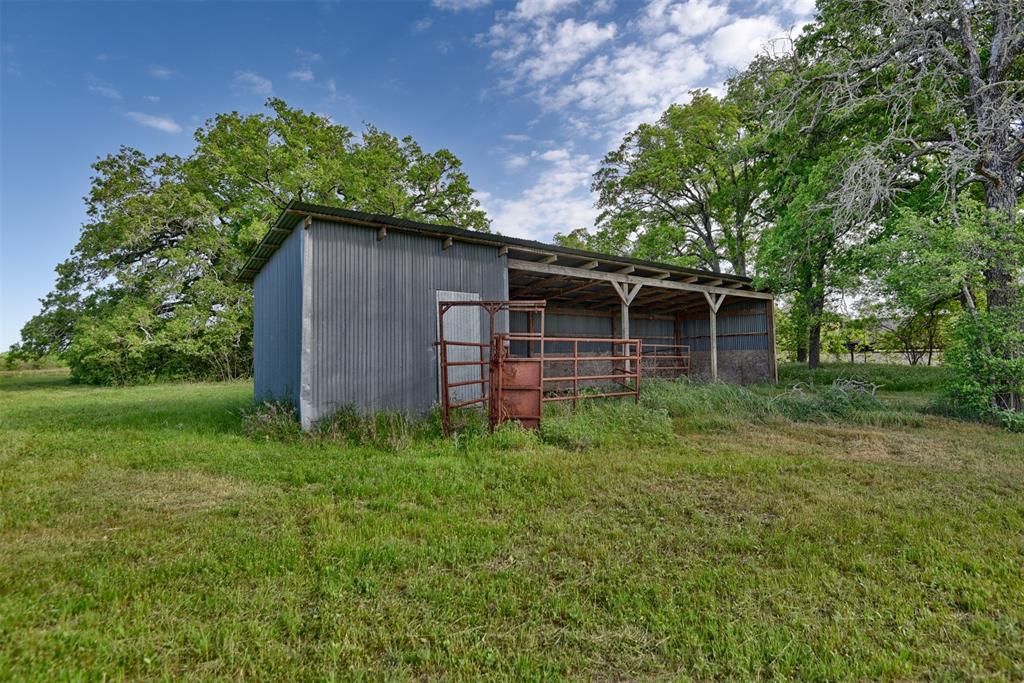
x=542, y=283
x=581, y=273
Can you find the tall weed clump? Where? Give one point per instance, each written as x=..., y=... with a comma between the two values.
x=605, y=423
x=273, y=421
x=886, y=376
x=708, y=407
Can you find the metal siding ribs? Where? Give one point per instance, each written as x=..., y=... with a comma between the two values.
x=375, y=314
x=277, y=324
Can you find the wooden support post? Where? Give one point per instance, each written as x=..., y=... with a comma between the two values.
x=626, y=295
x=714, y=302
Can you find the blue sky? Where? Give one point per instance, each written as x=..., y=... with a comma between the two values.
x=529, y=95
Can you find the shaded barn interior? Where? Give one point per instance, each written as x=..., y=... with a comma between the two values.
x=660, y=318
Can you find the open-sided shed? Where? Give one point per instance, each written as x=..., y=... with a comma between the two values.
x=346, y=307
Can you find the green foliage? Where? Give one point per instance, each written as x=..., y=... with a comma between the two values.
x=274, y=421
x=604, y=424
x=987, y=359
x=684, y=190
x=719, y=407
x=887, y=377
x=149, y=292
x=10, y=360
x=712, y=406
x=271, y=421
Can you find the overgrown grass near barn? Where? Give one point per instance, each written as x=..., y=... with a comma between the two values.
x=711, y=532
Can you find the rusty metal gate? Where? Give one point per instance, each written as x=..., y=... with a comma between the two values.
x=490, y=358
x=515, y=387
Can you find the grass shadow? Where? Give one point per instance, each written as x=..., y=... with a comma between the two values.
x=30, y=380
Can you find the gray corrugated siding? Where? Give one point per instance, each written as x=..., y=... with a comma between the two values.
x=750, y=324
x=277, y=323
x=374, y=313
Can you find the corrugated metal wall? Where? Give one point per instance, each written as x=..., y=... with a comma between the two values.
x=745, y=321
x=655, y=330
x=277, y=323
x=374, y=313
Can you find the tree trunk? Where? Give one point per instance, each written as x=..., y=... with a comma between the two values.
x=814, y=345
x=815, y=307
x=1000, y=289
x=801, y=351
x=1001, y=200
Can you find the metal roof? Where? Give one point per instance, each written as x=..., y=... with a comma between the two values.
x=295, y=212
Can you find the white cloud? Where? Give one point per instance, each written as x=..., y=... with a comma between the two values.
x=459, y=5
x=632, y=84
x=603, y=79
x=530, y=10
x=151, y=98
x=516, y=137
x=801, y=8
x=161, y=72
x=161, y=123
x=305, y=75
x=559, y=200
x=734, y=45
x=515, y=162
x=562, y=47
x=601, y=7
x=254, y=83
x=690, y=18
x=105, y=90
x=555, y=155
x=422, y=25
x=307, y=56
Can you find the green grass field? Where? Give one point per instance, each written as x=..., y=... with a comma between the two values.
x=711, y=532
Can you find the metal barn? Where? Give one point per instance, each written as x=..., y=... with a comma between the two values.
x=354, y=309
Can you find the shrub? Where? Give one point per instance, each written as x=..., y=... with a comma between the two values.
x=12, y=360
x=987, y=361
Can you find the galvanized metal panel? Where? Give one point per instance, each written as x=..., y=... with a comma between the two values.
x=655, y=330
x=277, y=323
x=748, y=321
x=374, y=313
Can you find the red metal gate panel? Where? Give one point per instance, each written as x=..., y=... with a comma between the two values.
x=520, y=393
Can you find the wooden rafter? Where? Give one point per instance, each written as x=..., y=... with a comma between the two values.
x=580, y=273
